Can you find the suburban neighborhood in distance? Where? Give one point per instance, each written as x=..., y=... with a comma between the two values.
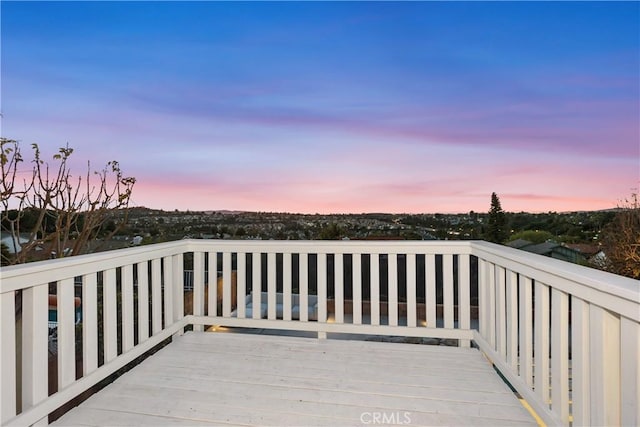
x=575, y=232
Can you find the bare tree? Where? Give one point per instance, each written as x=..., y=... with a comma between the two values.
x=621, y=240
x=46, y=207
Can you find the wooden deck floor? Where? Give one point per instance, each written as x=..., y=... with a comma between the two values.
x=247, y=379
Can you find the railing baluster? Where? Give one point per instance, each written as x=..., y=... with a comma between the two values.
x=491, y=305
x=212, y=285
x=339, y=288
x=560, y=354
x=357, y=288
x=66, y=333
x=412, y=316
x=483, y=297
x=526, y=330
x=286, y=286
x=392, y=289
x=7, y=356
x=143, y=301
x=168, y=290
x=447, y=290
x=464, y=296
x=630, y=374
x=89, y=323
x=156, y=296
x=430, y=290
x=512, y=320
x=304, y=286
x=375, y=289
x=198, y=287
x=241, y=284
x=271, y=285
x=501, y=312
x=604, y=342
x=226, y=284
x=541, y=327
x=34, y=345
x=127, y=308
x=580, y=362
x=178, y=287
x=322, y=287
x=110, y=295
x=256, y=286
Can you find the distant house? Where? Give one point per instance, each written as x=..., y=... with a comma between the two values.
x=13, y=245
x=551, y=249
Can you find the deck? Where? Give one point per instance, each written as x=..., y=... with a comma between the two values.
x=252, y=379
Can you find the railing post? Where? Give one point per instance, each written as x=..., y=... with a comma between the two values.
x=7, y=356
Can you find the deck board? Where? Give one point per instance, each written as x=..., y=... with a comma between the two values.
x=248, y=379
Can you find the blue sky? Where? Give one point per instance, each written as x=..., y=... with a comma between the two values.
x=335, y=106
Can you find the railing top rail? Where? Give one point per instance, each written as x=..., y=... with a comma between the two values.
x=555, y=271
x=26, y=275
x=333, y=246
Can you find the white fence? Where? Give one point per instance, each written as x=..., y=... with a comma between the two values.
x=566, y=337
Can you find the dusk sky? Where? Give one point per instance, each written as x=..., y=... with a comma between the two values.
x=335, y=107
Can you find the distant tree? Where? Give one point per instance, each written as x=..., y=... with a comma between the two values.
x=620, y=240
x=330, y=232
x=496, y=230
x=533, y=236
x=55, y=211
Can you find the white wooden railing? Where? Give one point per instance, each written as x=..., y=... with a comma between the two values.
x=566, y=337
